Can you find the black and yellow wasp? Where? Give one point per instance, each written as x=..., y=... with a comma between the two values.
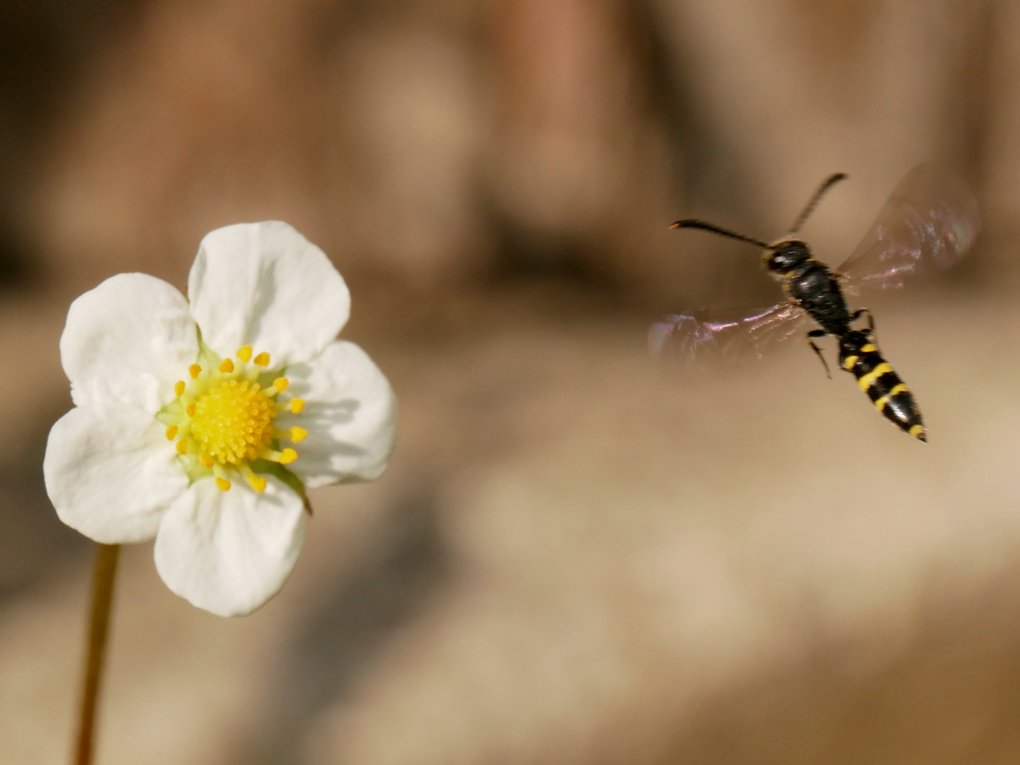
x=927, y=224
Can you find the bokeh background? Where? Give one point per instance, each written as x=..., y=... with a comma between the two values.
x=576, y=556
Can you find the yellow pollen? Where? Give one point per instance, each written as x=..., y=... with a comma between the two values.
x=297, y=405
x=281, y=383
x=179, y=387
x=244, y=353
x=195, y=370
x=232, y=422
x=222, y=484
x=171, y=433
x=262, y=360
x=287, y=456
x=297, y=435
x=226, y=366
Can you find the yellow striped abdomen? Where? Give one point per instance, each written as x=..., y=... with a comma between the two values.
x=890, y=395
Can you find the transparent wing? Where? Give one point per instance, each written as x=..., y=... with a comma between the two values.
x=701, y=339
x=928, y=224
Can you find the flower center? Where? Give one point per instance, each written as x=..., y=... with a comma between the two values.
x=224, y=419
x=233, y=421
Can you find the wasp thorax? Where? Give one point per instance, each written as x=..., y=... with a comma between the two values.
x=785, y=256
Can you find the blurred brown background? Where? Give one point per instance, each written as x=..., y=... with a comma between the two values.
x=575, y=557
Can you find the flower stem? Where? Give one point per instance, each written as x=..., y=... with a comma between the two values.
x=103, y=573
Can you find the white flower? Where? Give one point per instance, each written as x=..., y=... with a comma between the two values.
x=200, y=421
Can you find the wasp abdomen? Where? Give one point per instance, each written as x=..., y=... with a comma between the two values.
x=876, y=377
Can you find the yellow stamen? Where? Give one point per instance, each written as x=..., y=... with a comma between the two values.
x=226, y=366
x=285, y=457
x=257, y=482
x=190, y=409
x=195, y=370
x=297, y=435
x=179, y=387
x=244, y=353
x=297, y=405
x=281, y=383
x=206, y=460
x=182, y=447
x=222, y=484
x=262, y=360
x=171, y=433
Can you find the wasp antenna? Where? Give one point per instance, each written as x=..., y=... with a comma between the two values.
x=691, y=223
x=827, y=184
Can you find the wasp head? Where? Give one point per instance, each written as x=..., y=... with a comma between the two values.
x=784, y=256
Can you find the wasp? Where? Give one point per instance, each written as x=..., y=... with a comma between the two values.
x=928, y=224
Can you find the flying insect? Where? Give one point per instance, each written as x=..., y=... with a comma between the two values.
x=928, y=224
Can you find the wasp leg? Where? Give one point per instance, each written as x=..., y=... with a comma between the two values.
x=818, y=351
x=861, y=312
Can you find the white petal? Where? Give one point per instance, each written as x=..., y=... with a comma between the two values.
x=111, y=474
x=350, y=415
x=265, y=285
x=127, y=341
x=229, y=552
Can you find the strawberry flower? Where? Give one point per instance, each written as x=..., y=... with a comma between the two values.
x=201, y=421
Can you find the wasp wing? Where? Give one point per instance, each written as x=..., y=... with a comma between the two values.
x=928, y=224
x=700, y=339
